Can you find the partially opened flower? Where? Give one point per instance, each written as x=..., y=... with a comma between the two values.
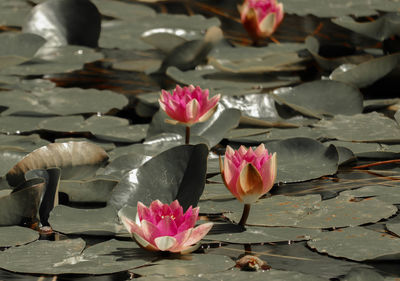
x=163, y=227
x=188, y=105
x=261, y=17
x=248, y=174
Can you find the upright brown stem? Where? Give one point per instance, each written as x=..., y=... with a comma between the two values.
x=245, y=215
x=187, y=138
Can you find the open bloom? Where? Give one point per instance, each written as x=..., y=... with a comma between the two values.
x=248, y=174
x=188, y=105
x=261, y=17
x=163, y=227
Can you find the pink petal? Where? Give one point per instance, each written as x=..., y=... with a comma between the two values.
x=268, y=173
x=190, y=219
x=181, y=238
x=192, y=111
x=250, y=183
x=198, y=233
x=144, y=244
x=144, y=213
x=131, y=226
x=167, y=226
x=150, y=232
x=164, y=243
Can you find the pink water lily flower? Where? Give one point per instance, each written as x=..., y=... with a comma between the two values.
x=248, y=174
x=163, y=227
x=261, y=17
x=188, y=105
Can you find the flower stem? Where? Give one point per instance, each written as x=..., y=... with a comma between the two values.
x=245, y=215
x=187, y=138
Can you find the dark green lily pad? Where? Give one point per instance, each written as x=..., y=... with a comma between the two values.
x=394, y=228
x=380, y=29
x=370, y=127
x=193, y=264
x=22, y=204
x=107, y=146
x=215, y=191
x=9, y=158
x=60, y=101
x=388, y=194
x=310, y=212
x=397, y=117
x=76, y=159
x=301, y=159
x=69, y=220
x=364, y=274
x=164, y=39
x=91, y=190
x=214, y=79
x=377, y=104
x=357, y=243
x=16, y=236
x=366, y=73
x=233, y=233
x=322, y=97
x=328, y=63
x=19, y=124
x=16, y=48
x=212, y=130
x=178, y=173
x=68, y=256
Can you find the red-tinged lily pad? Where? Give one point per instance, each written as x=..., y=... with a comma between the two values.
x=177, y=173
x=16, y=236
x=323, y=97
x=76, y=159
x=358, y=244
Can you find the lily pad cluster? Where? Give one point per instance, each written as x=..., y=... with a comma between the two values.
x=73, y=158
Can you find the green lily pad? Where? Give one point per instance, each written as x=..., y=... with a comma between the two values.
x=20, y=143
x=52, y=60
x=361, y=75
x=13, y=13
x=76, y=159
x=330, y=9
x=124, y=11
x=388, y=194
x=379, y=29
x=9, y=158
x=329, y=63
x=397, y=117
x=91, y=190
x=214, y=79
x=16, y=236
x=212, y=130
x=370, y=127
x=310, y=212
x=301, y=159
x=69, y=256
x=322, y=97
x=364, y=274
x=107, y=146
x=370, y=150
x=17, y=48
x=181, y=175
x=23, y=204
x=60, y=101
x=215, y=191
x=233, y=233
x=103, y=222
x=357, y=243
x=19, y=124
x=193, y=264
x=394, y=228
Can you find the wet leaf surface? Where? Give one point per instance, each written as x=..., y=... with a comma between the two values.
x=357, y=243
x=16, y=236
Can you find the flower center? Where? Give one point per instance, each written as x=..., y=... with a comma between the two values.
x=172, y=217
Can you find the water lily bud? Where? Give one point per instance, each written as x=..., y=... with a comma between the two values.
x=188, y=105
x=261, y=17
x=163, y=227
x=248, y=174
